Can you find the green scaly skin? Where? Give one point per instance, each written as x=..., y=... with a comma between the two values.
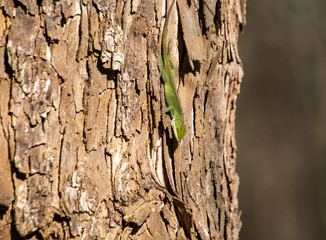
x=168, y=71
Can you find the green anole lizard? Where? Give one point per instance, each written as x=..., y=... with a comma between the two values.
x=168, y=72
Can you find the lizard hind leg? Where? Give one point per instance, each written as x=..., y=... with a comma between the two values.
x=168, y=109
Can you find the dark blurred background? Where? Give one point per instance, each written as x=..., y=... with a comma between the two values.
x=281, y=121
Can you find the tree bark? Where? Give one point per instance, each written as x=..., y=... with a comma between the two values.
x=85, y=150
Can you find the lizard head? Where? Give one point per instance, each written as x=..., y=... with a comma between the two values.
x=179, y=129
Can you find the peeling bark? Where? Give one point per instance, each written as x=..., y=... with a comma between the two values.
x=85, y=150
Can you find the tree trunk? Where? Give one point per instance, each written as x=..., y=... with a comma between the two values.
x=85, y=150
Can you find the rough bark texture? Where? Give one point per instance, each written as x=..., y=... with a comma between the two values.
x=85, y=150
